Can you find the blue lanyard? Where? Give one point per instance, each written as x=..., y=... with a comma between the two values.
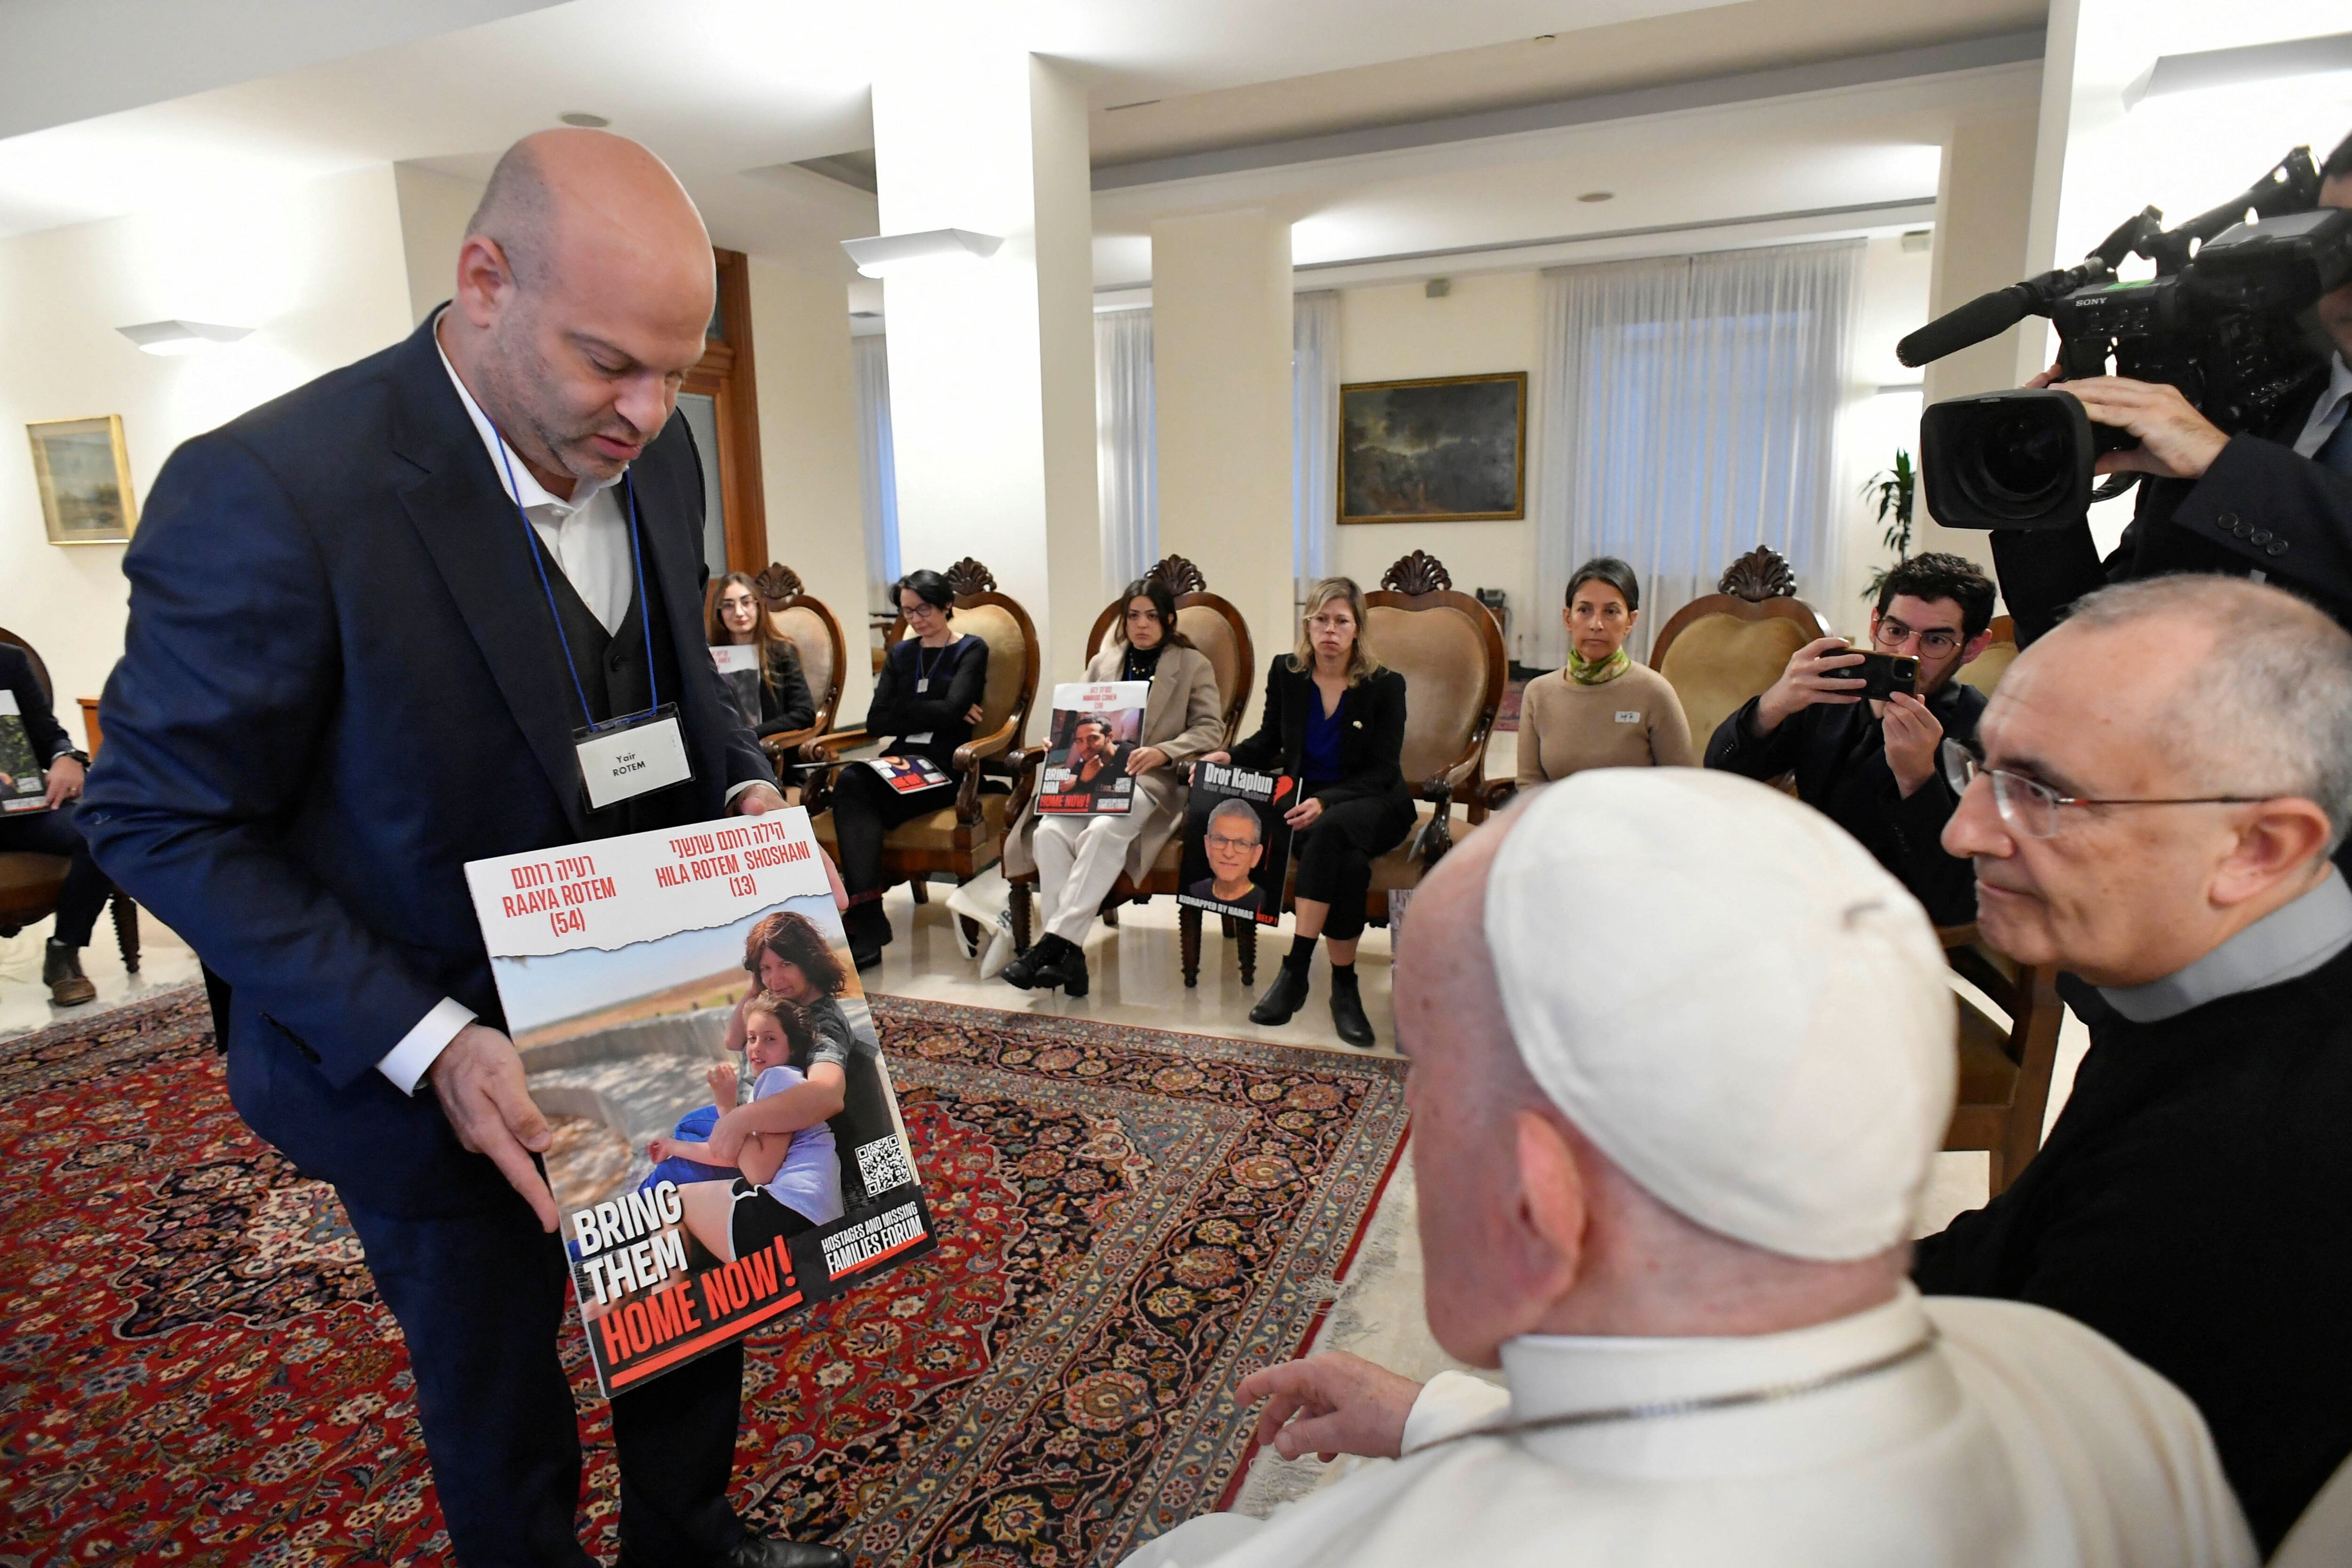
x=539, y=560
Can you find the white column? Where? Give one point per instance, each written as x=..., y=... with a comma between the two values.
x=991, y=361
x=808, y=452
x=1984, y=203
x=1220, y=387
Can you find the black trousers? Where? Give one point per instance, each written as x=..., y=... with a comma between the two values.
x=480, y=1298
x=1336, y=853
x=865, y=809
x=86, y=889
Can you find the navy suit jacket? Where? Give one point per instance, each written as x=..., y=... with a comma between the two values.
x=342, y=681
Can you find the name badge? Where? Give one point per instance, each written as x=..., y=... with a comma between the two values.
x=1629, y=716
x=628, y=758
x=922, y=685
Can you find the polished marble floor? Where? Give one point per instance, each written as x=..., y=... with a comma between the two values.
x=164, y=962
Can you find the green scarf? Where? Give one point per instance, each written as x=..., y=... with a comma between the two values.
x=1587, y=672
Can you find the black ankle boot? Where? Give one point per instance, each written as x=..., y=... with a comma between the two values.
x=1283, y=998
x=1066, y=970
x=1024, y=970
x=61, y=972
x=1348, y=1009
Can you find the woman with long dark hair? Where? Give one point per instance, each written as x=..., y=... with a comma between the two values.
x=1078, y=859
x=1334, y=720
x=926, y=701
x=737, y=617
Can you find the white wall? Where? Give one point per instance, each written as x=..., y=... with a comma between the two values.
x=808, y=453
x=1488, y=323
x=434, y=211
x=1495, y=322
x=316, y=269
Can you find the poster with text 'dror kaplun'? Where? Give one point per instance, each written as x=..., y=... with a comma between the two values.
x=729, y=1148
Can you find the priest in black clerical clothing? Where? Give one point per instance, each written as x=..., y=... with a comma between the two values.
x=2163, y=779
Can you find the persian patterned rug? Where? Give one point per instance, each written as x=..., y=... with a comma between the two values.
x=195, y=1370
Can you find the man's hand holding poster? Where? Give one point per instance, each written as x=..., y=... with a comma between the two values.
x=795, y=1181
x=1096, y=726
x=1236, y=842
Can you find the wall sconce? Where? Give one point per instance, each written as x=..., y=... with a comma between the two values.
x=181, y=337
x=885, y=254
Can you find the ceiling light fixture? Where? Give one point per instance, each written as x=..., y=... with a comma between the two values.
x=181, y=337
x=885, y=254
x=1598, y=196
x=585, y=121
x=2247, y=63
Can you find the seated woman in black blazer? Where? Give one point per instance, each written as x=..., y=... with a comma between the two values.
x=736, y=616
x=925, y=699
x=1334, y=720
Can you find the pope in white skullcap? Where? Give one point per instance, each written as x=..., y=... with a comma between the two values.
x=1761, y=1031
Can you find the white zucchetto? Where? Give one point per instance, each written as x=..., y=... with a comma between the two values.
x=1732, y=999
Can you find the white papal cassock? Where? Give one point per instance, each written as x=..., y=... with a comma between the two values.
x=2020, y=1438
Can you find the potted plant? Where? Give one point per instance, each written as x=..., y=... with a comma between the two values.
x=1890, y=488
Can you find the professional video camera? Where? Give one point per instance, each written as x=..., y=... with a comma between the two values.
x=2220, y=321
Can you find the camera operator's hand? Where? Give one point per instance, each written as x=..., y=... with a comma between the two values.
x=2176, y=442
x=1912, y=737
x=1813, y=677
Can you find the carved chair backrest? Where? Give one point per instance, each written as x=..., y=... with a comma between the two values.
x=814, y=633
x=1449, y=649
x=1984, y=671
x=1722, y=648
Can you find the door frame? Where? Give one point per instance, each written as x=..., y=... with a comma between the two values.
x=728, y=375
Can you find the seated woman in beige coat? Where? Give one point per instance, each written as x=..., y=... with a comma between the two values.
x=1078, y=859
x=1605, y=709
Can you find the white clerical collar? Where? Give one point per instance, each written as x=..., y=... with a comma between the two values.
x=1556, y=1374
x=525, y=490
x=2289, y=942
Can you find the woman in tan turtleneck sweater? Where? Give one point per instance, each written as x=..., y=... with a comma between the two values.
x=1604, y=710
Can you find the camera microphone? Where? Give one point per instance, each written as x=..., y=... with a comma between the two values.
x=1981, y=317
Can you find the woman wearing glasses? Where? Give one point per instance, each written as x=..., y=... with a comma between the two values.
x=1871, y=765
x=1334, y=720
x=737, y=617
x=926, y=701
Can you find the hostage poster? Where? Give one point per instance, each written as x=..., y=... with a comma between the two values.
x=1094, y=730
x=1236, y=842
x=684, y=1000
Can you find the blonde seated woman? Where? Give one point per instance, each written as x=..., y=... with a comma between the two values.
x=1605, y=709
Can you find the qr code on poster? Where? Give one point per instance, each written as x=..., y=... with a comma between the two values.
x=882, y=1165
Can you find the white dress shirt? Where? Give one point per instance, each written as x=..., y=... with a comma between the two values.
x=2020, y=1438
x=2328, y=413
x=589, y=536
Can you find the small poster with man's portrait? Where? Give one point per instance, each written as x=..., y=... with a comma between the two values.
x=1095, y=728
x=1236, y=842
x=738, y=672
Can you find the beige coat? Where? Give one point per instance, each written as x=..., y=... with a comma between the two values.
x=1184, y=717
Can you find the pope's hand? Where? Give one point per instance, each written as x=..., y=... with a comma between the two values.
x=478, y=1079
x=1331, y=1404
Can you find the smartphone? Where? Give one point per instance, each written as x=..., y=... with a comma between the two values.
x=1884, y=675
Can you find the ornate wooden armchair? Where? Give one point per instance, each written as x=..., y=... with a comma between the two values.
x=814, y=633
x=1984, y=671
x=966, y=838
x=29, y=883
x=1724, y=647
x=1449, y=649
x=2005, y=1067
x=1217, y=629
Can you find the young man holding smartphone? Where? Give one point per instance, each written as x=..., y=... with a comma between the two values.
x=1869, y=764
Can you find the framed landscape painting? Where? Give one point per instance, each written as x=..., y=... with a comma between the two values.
x=83, y=470
x=1453, y=449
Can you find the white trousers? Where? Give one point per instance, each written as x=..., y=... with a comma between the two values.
x=1078, y=858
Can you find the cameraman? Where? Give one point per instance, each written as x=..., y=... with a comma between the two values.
x=1871, y=767
x=2274, y=503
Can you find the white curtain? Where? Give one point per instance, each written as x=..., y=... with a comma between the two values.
x=1313, y=432
x=1690, y=413
x=877, y=464
x=1126, y=465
